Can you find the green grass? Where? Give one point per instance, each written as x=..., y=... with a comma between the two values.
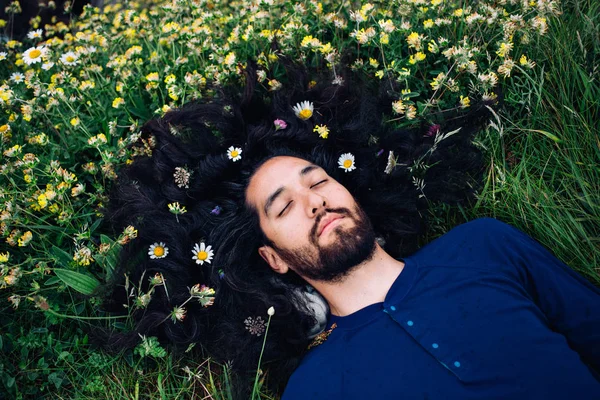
x=544, y=155
x=543, y=177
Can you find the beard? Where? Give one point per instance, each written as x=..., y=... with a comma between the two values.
x=332, y=262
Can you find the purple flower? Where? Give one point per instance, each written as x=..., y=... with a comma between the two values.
x=433, y=130
x=280, y=124
x=216, y=210
x=380, y=152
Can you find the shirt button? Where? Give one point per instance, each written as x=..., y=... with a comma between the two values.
x=409, y=323
x=435, y=345
x=456, y=364
x=393, y=308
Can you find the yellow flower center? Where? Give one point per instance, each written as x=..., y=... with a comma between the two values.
x=347, y=163
x=70, y=58
x=159, y=251
x=35, y=53
x=202, y=255
x=305, y=114
x=234, y=154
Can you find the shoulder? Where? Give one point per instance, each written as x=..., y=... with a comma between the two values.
x=479, y=243
x=317, y=374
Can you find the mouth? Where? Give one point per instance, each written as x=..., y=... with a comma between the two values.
x=327, y=222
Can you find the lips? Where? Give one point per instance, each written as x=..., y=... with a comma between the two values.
x=326, y=221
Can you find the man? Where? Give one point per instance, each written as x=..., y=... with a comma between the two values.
x=484, y=312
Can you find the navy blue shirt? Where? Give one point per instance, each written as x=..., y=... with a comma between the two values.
x=483, y=312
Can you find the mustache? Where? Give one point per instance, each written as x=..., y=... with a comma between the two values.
x=342, y=211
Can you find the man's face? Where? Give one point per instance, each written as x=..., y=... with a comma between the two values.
x=316, y=227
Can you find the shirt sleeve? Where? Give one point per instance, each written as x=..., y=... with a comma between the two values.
x=570, y=302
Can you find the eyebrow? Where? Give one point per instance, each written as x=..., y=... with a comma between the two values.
x=304, y=171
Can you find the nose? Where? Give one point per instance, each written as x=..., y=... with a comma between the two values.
x=315, y=202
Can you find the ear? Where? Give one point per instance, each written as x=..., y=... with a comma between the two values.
x=272, y=258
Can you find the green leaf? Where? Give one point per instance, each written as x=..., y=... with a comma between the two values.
x=51, y=281
x=60, y=256
x=82, y=283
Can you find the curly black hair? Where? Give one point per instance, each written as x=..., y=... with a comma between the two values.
x=432, y=162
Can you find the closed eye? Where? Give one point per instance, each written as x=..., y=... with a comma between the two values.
x=285, y=208
x=318, y=183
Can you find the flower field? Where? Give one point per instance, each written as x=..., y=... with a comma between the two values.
x=73, y=97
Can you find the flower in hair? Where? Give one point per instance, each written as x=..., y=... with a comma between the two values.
x=182, y=177
x=158, y=250
x=346, y=162
x=176, y=208
x=256, y=326
x=234, y=153
x=304, y=110
x=216, y=210
x=204, y=294
x=178, y=314
x=279, y=124
x=322, y=130
x=391, y=163
x=202, y=253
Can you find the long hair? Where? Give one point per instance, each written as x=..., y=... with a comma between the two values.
x=399, y=172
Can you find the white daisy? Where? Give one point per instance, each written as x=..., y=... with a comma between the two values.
x=3, y=55
x=346, y=162
x=69, y=58
x=35, y=54
x=17, y=77
x=202, y=253
x=46, y=66
x=35, y=34
x=304, y=110
x=158, y=250
x=234, y=153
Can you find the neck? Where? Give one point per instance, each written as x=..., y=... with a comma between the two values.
x=366, y=284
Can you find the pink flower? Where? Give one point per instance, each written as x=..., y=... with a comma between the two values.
x=280, y=124
x=433, y=130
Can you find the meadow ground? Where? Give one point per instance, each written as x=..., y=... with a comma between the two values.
x=78, y=91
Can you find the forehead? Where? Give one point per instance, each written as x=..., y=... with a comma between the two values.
x=274, y=173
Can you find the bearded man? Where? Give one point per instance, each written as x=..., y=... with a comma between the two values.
x=484, y=312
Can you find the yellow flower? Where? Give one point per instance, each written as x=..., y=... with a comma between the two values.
x=411, y=113
x=169, y=79
x=504, y=49
x=414, y=40
x=415, y=58
x=373, y=62
x=4, y=257
x=42, y=200
x=465, y=102
x=322, y=130
x=304, y=110
x=428, y=23
x=75, y=121
x=229, y=59
x=152, y=77
x=458, y=12
x=117, y=102
x=25, y=239
x=398, y=107
x=384, y=38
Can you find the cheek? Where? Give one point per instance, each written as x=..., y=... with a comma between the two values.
x=290, y=231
